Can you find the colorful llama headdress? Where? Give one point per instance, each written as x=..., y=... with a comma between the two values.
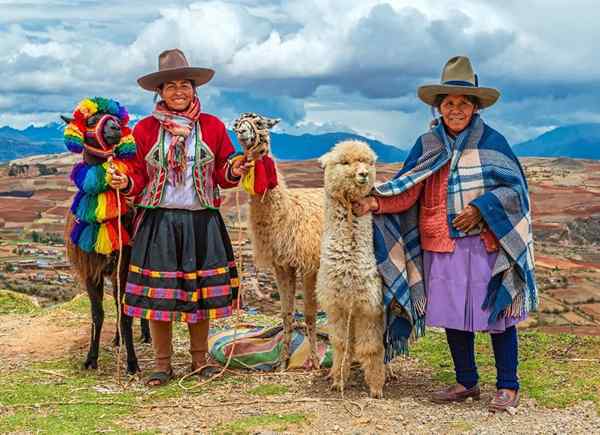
x=99, y=126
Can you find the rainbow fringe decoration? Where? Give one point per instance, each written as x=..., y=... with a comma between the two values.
x=95, y=204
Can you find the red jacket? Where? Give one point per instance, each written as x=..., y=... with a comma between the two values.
x=433, y=209
x=148, y=172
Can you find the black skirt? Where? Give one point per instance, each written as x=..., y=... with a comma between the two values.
x=182, y=267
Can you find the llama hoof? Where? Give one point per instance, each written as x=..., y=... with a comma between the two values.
x=133, y=368
x=314, y=364
x=376, y=394
x=90, y=364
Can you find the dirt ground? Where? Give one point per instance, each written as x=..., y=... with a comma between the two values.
x=292, y=402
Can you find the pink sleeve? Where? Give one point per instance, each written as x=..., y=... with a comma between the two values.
x=399, y=203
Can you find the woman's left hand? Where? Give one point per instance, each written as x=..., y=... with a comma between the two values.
x=240, y=167
x=468, y=219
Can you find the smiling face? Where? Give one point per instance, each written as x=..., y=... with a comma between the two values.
x=349, y=170
x=177, y=94
x=456, y=111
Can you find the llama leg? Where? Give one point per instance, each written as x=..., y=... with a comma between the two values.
x=286, y=283
x=95, y=291
x=145, y=328
x=310, y=315
x=370, y=352
x=126, y=321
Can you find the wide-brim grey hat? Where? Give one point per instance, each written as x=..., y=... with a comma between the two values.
x=172, y=65
x=458, y=78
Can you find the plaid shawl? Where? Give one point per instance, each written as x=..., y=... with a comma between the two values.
x=484, y=172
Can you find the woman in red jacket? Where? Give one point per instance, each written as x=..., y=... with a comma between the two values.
x=182, y=265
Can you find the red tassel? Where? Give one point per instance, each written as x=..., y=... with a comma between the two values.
x=271, y=173
x=260, y=177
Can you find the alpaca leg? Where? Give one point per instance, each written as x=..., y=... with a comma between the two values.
x=343, y=347
x=370, y=352
x=286, y=283
x=310, y=315
x=126, y=321
x=95, y=291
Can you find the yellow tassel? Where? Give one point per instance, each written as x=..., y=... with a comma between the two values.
x=101, y=208
x=103, y=243
x=248, y=181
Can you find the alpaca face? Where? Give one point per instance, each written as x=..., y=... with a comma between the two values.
x=349, y=170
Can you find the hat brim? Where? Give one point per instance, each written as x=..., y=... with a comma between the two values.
x=152, y=81
x=487, y=96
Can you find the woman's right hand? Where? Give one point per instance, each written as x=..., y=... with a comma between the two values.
x=365, y=205
x=118, y=181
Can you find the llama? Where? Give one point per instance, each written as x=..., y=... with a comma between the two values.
x=98, y=129
x=349, y=287
x=285, y=228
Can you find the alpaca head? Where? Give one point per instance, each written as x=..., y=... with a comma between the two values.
x=349, y=170
x=252, y=131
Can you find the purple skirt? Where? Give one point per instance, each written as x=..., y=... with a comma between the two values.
x=456, y=286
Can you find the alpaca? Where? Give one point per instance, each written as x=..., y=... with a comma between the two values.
x=349, y=287
x=285, y=228
x=98, y=130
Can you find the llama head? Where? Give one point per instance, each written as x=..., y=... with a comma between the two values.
x=252, y=132
x=98, y=126
x=349, y=170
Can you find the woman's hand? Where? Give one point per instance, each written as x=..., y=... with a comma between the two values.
x=468, y=219
x=365, y=205
x=240, y=167
x=118, y=181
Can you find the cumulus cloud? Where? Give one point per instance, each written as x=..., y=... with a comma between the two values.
x=320, y=64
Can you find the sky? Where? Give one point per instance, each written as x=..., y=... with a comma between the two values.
x=319, y=65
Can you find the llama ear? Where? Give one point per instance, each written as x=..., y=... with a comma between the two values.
x=325, y=159
x=272, y=122
x=66, y=119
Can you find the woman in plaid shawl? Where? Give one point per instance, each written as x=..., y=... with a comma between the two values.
x=453, y=238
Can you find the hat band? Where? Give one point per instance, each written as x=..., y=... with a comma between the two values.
x=463, y=83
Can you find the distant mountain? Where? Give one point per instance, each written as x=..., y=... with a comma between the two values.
x=578, y=141
x=15, y=144
x=49, y=140
x=312, y=146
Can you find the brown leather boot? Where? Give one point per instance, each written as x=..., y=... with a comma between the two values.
x=504, y=400
x=456, y=393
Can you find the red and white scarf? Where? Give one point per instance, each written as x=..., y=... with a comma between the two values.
x=179, y=125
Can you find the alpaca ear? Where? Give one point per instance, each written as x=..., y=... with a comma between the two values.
x=272, y=122
x=325, y=159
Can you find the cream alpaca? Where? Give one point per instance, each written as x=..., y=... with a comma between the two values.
x=285, y=228
x=349, y=287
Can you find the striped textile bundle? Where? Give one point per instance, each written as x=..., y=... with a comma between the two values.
x=259, y=348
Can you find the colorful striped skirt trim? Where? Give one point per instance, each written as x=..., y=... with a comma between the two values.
x=182, y=267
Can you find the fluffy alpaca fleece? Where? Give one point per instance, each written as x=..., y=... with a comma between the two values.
x=349, y=287
x=285, y=230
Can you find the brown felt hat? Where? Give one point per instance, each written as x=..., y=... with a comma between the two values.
x=172, y=65
x=458, y=78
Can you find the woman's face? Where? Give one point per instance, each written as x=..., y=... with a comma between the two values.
x=457, y=112
x=177, y=94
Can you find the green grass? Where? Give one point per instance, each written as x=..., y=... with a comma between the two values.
x=60, y=382
x=16, y=303
x=272, y=422
x=269, y=390
x=556, y=370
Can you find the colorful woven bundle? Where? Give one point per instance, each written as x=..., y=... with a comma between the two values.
x=95, y=205
x=261, y=177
